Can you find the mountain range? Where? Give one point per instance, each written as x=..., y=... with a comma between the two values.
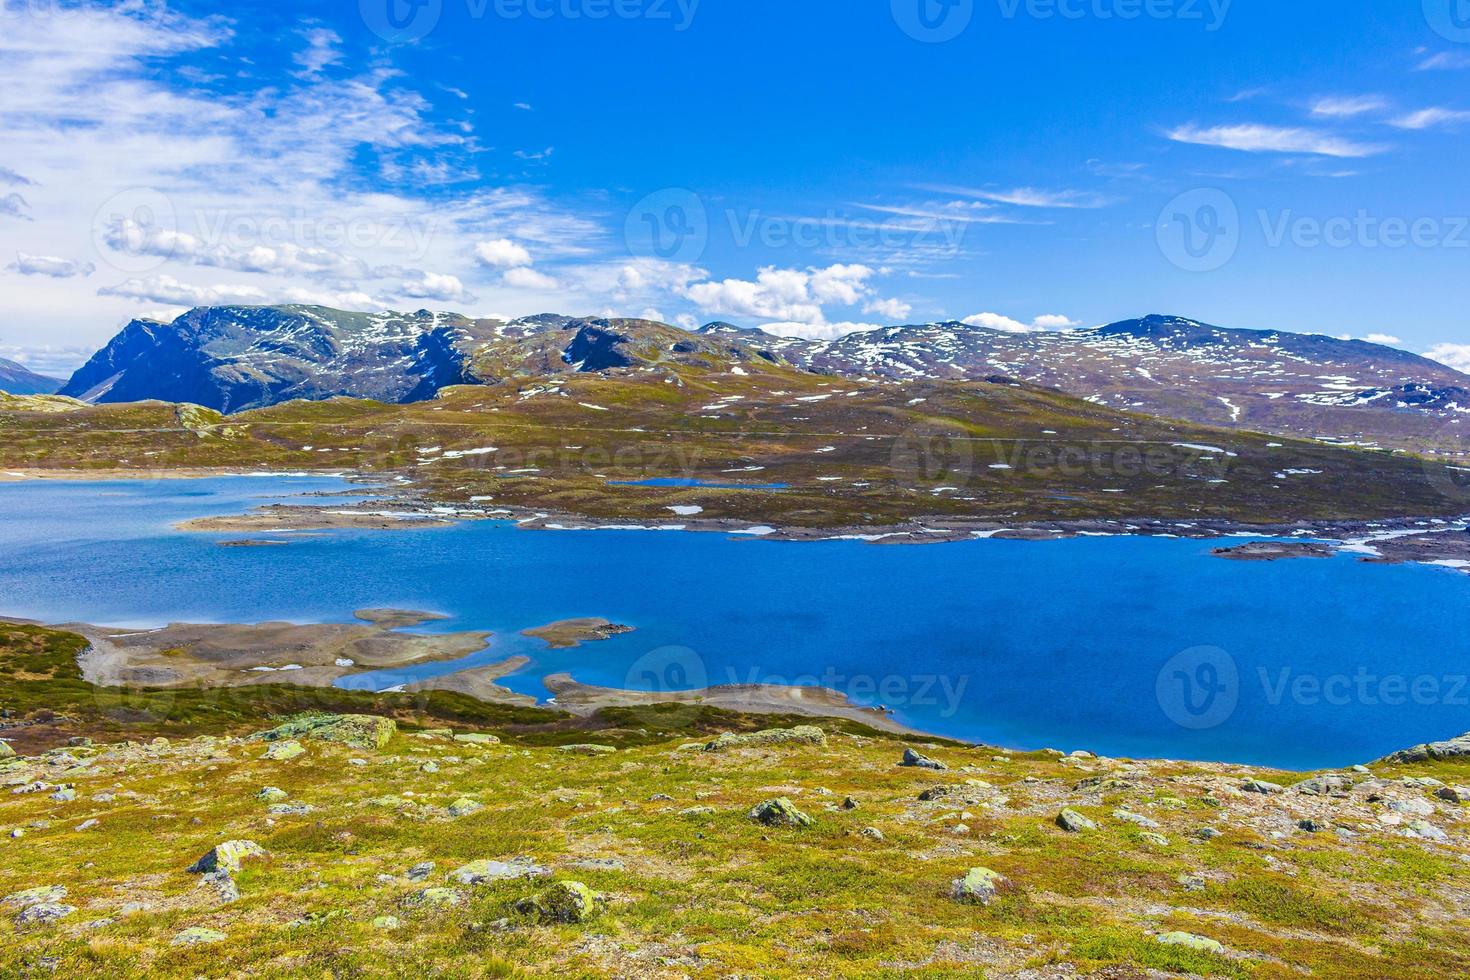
x=237, y=358
x=17, y=379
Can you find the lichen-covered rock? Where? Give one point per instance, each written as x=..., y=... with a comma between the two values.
x=1455, y=748
x=800, y=735
x=781, y=813
x=1454, y=794
x=464, y=806
x=1136, y=818
x=227, y=856
x=6, y=752
x=477, y=738
x=1262, y=787
x=289, y=809
x=1073, y=822
x=1324, y=786
x=35, y=896
x=43, y=914
x=914, y=759
x=483, y=872
x=199, y=936
x=566, y=902
x=432, y=897
x=271, y=795
x=979, y=886
x=1190, y=941
x=284, y=751
x=355, y=731
x=587, y=749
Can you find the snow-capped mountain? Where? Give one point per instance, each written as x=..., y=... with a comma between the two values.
x=1268, y=380
x=17, y=379
x=235, y=358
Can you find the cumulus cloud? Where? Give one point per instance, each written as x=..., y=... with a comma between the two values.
x=526, y=278
x=50, y=265
x=164, y=288
x=893, y=309
x=1384, y=339
x=1005, y=324
x=321, y=51
x=792, y=302
x=435, y=286
x=502, y=253
x=1456, y=356
x=1257, y=138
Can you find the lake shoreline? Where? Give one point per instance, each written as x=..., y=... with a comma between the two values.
x=1397, y=540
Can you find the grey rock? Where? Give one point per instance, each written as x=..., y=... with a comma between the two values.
x=1073, y=822
x=914, y=759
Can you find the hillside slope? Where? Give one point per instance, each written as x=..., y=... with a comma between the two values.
x=17, y=379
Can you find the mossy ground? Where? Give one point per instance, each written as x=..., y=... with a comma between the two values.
x=713, y=893
x=849, y=452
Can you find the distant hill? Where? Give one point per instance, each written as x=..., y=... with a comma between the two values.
x=17, y=379
x=237, y=358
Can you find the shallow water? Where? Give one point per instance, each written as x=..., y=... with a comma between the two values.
x=1143, y=647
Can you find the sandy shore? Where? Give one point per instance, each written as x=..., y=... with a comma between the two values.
x=766, y=699
x=236, y=655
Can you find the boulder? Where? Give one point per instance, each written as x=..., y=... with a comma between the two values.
x=271, y=795
x=587, y=749
x=566, y=903
x=284, y=751
x=464, y=806
x=1455, y=748
x=483, y=872
x=1136, y=818
x=1190, y=941
x=1262, y=787
x=6, y=752
x=979, y=886
x=917, y=760
x=227, y=856
x=800, y=735
x=780, y=813
x=35, y=896
x=433, y=897
x=1454, y=794
x=1330, y=785
x=1073, y=822
x=355, y=731
x=43, y=914
x=477, y=738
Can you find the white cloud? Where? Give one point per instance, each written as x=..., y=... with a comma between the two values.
x=1429, y=118
x=1030, y=197
x=435, y=286
x=893, y=309
x=818, y=331
x=8, y=176
x=166, y=289
x=1005, y=324
x=15, y=206
x=1347, y=106
x=54, y=362
x=50, y=265
x=1456, y=356
x=792, y=302
x=1256, y=138
x=1445, y=61
x=1386, y=340
x=321, y=51
x=502, y=253
x=525, y=278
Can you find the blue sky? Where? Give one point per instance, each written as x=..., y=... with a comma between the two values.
x=815, y=167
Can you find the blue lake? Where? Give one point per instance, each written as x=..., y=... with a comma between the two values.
x=1125, y=646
